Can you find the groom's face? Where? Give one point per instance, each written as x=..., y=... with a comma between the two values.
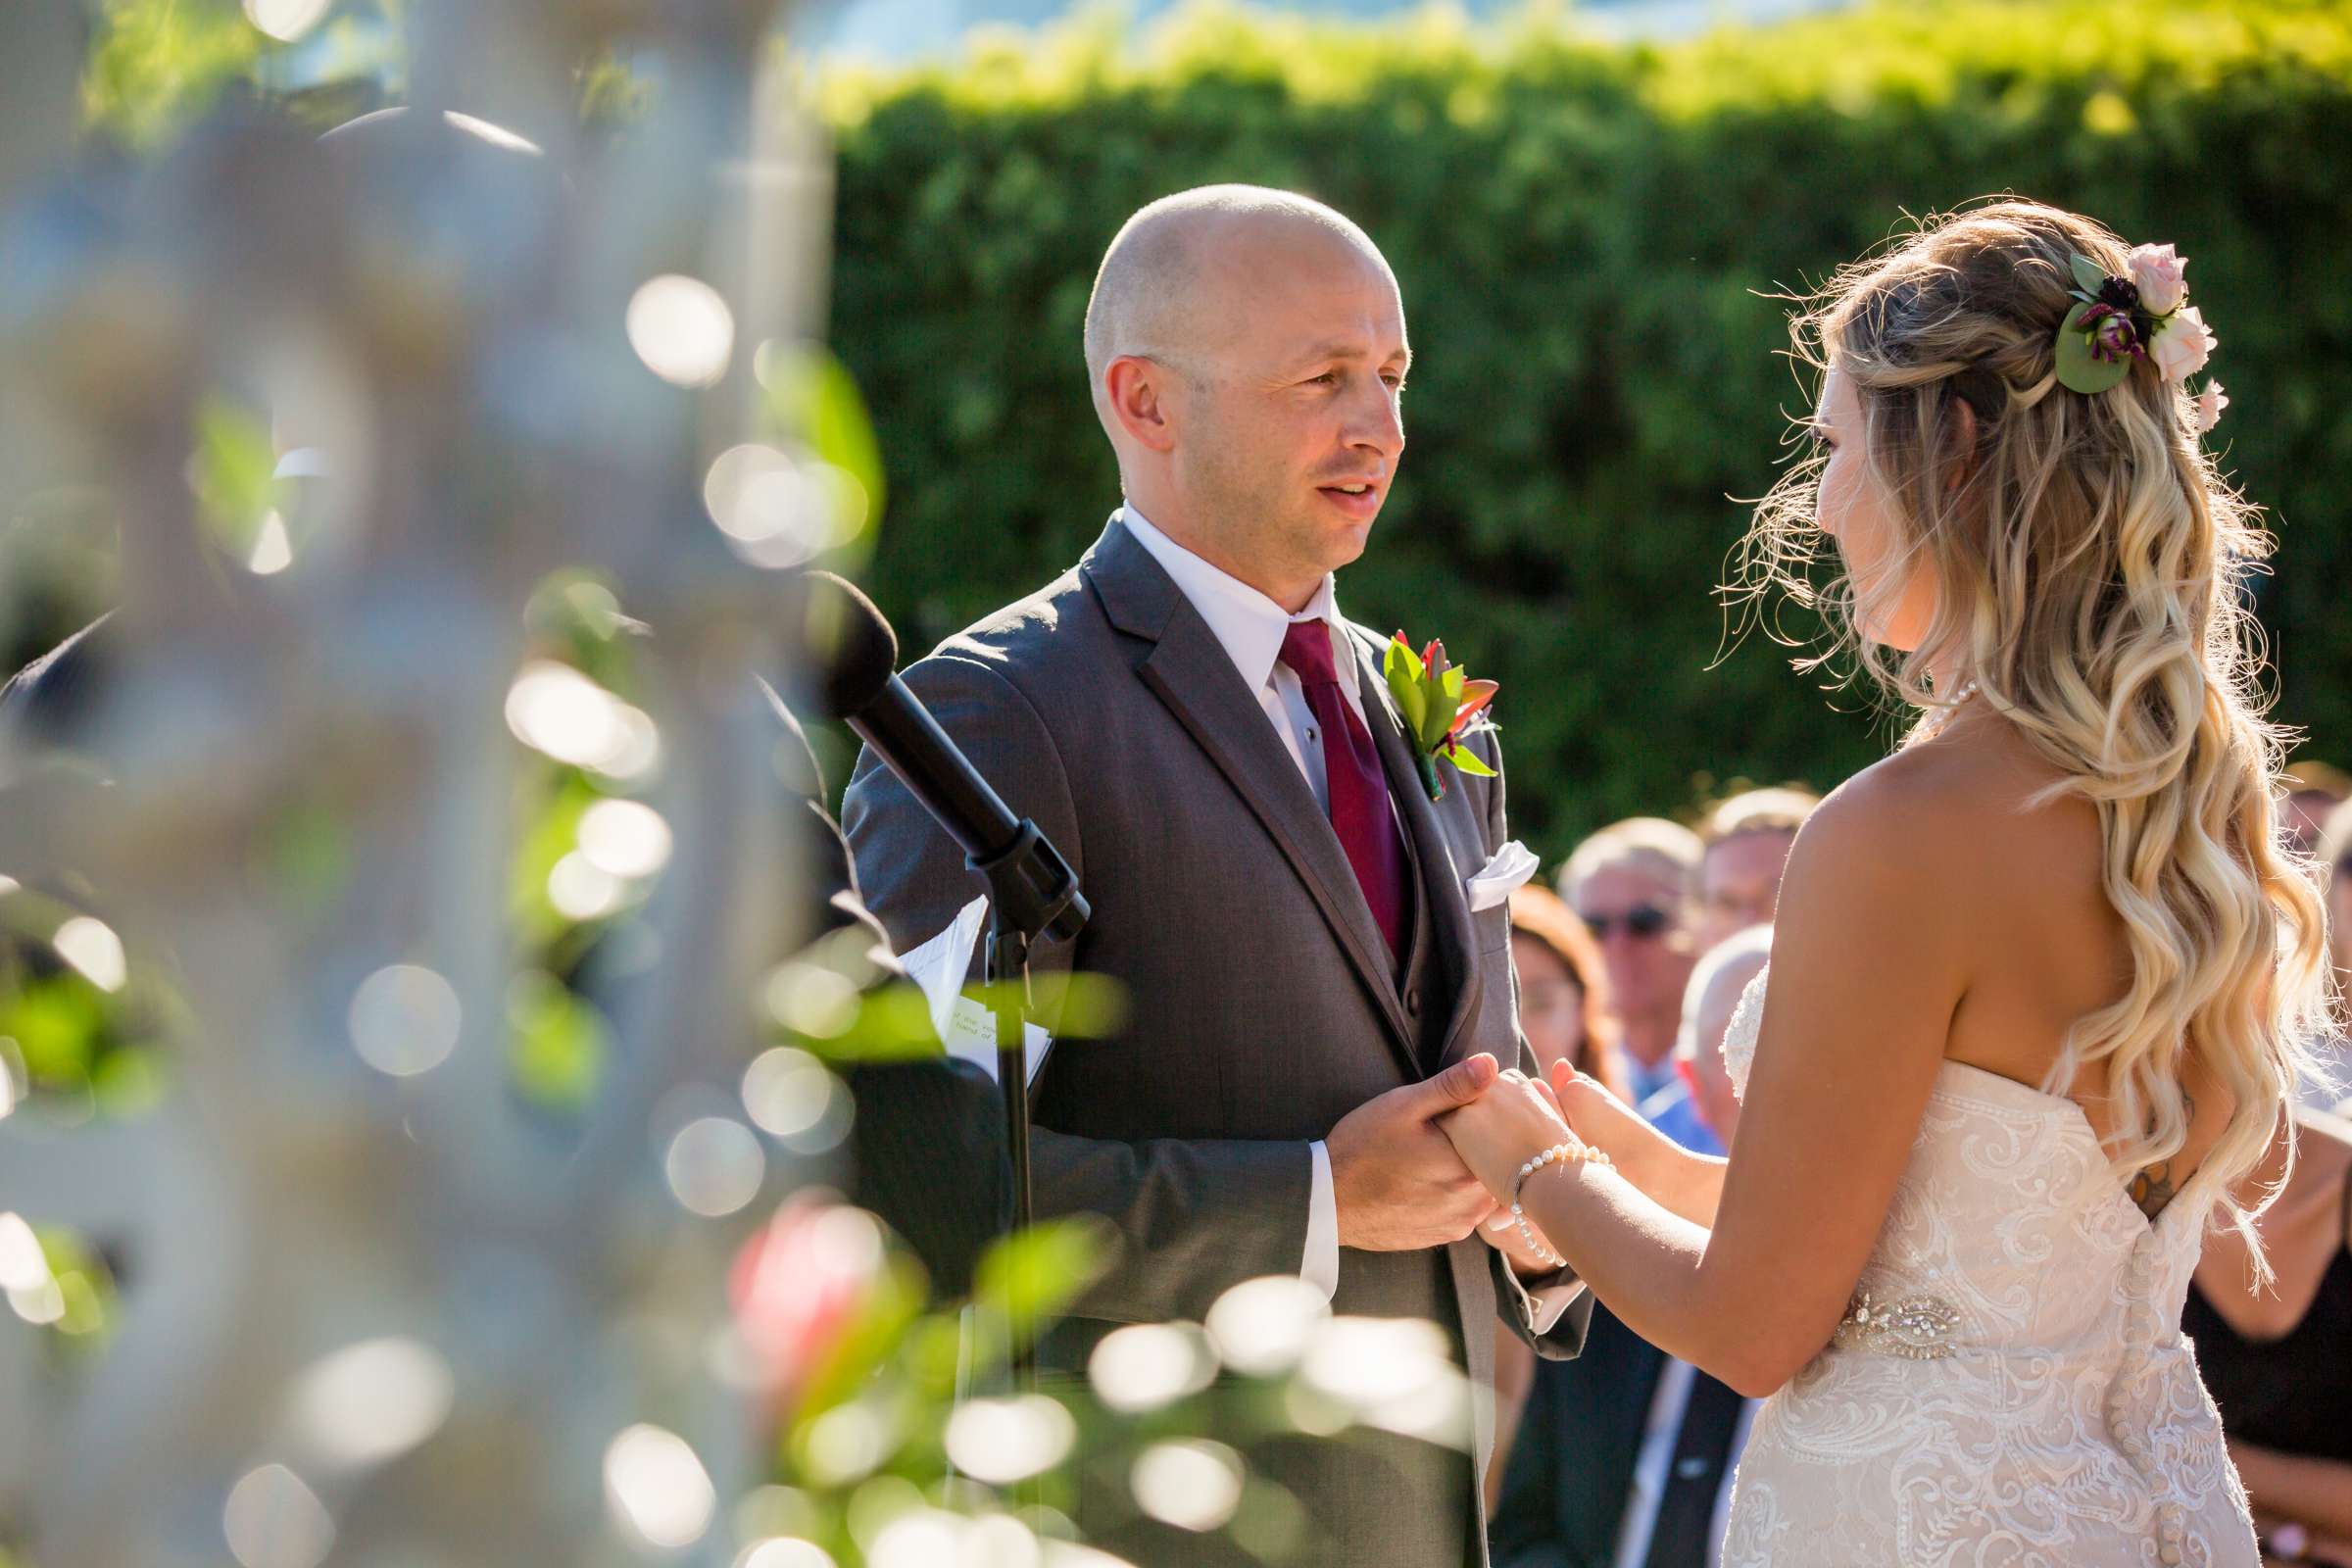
x=1291, y=442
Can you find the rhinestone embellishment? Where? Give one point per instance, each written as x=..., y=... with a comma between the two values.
x=1918, y=1329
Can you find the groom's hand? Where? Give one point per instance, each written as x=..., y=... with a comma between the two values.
x=1399, y=1185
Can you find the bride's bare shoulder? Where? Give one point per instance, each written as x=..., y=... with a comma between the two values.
x=1948, y=820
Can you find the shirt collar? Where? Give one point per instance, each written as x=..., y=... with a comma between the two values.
x=1246, y=622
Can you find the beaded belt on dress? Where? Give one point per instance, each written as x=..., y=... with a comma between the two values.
x=1918, y=1328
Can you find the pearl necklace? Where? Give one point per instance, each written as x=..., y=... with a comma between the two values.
x=1937, y=723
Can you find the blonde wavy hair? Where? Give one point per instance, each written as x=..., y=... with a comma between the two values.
x=2090, y=576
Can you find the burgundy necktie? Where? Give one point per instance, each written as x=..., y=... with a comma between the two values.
x=1360, y=813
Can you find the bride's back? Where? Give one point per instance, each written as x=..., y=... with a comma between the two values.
x=2047, y=947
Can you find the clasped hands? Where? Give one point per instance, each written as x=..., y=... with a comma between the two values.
x=1431, y=1163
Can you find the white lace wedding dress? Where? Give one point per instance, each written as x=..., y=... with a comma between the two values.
x=2010, y=1385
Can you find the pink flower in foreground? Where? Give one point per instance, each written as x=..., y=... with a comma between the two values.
x=797, y=1285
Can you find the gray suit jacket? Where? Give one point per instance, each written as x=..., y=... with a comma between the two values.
x=1263, y=1005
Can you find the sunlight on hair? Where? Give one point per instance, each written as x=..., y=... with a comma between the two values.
x=656, y=1487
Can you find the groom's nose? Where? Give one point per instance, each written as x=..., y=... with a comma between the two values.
x=1375, y=419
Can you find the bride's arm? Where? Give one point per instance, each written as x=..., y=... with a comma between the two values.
x=1866, y=973
x=1681, y=1182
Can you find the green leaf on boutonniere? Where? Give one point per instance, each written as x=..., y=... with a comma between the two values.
x=2087, y=272
x=1468, y=760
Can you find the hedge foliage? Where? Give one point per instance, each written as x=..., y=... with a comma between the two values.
x=1587, y=236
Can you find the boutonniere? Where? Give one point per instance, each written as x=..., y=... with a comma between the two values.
x=1437, y=703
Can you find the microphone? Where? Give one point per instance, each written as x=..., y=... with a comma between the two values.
x=1036, y=892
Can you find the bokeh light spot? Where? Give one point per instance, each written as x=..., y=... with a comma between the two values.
x=657, y=1489
x=285, y=19
x=1002, y=1441
x=373, y=1401
x=91, y=946
x=1261, y=1326
x=681, y=330
x=1193, y=1484
x=715, y=1165
x=403, y=1019
x=1145, y=1366
x=275, y=1520
x=554, y=708
x=787, y=1092
x=624, y=838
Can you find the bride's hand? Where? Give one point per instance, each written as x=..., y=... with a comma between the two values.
x=1601, y=1119
x=1497, y=1132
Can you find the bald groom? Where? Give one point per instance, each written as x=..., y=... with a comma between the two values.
x=1190, y=719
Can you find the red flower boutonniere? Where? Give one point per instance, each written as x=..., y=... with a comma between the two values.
x=1437, y=703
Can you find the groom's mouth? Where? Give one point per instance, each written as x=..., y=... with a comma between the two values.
x=1356, y=498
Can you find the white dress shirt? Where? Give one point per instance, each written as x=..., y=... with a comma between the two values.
x=1251, y=627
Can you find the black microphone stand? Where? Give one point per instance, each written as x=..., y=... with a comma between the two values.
x=1033, y=899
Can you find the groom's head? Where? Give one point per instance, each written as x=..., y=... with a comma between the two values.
x=1248, y=350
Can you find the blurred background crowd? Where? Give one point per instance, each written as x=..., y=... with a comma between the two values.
x=1592, y=224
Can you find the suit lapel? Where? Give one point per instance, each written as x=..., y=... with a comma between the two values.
x=1443, y=907
x=1189, y=670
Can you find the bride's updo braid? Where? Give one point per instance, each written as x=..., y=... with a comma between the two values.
x=2089, y=574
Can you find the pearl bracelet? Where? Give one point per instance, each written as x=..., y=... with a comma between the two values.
x=1556, y=1154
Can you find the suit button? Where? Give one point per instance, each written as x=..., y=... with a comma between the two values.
x=1412, y=1002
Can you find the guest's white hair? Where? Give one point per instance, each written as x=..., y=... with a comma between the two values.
x=1736, y=957
x=1667, y=850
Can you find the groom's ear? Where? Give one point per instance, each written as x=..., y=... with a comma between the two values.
x=1136, y=389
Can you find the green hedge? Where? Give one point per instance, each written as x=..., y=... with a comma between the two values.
x=1584, y=234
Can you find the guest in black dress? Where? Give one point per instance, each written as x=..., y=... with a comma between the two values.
x=2278, y=1360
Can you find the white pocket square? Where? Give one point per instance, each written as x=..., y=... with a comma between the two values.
x=1511, y=866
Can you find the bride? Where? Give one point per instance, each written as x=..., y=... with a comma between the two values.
x=2038, y=976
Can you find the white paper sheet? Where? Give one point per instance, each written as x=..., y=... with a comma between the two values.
x=941, y=967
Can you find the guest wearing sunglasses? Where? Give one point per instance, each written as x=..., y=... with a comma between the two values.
x=1631, y=884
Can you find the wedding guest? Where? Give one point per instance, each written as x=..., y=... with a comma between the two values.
x=2325, y=1087
x=1631, y=884
x=2278, y=1356
x=1564, y=1004
x=1565, y=1013
x=2313, y=788
x=1747, y=840
x=1699, y=1110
